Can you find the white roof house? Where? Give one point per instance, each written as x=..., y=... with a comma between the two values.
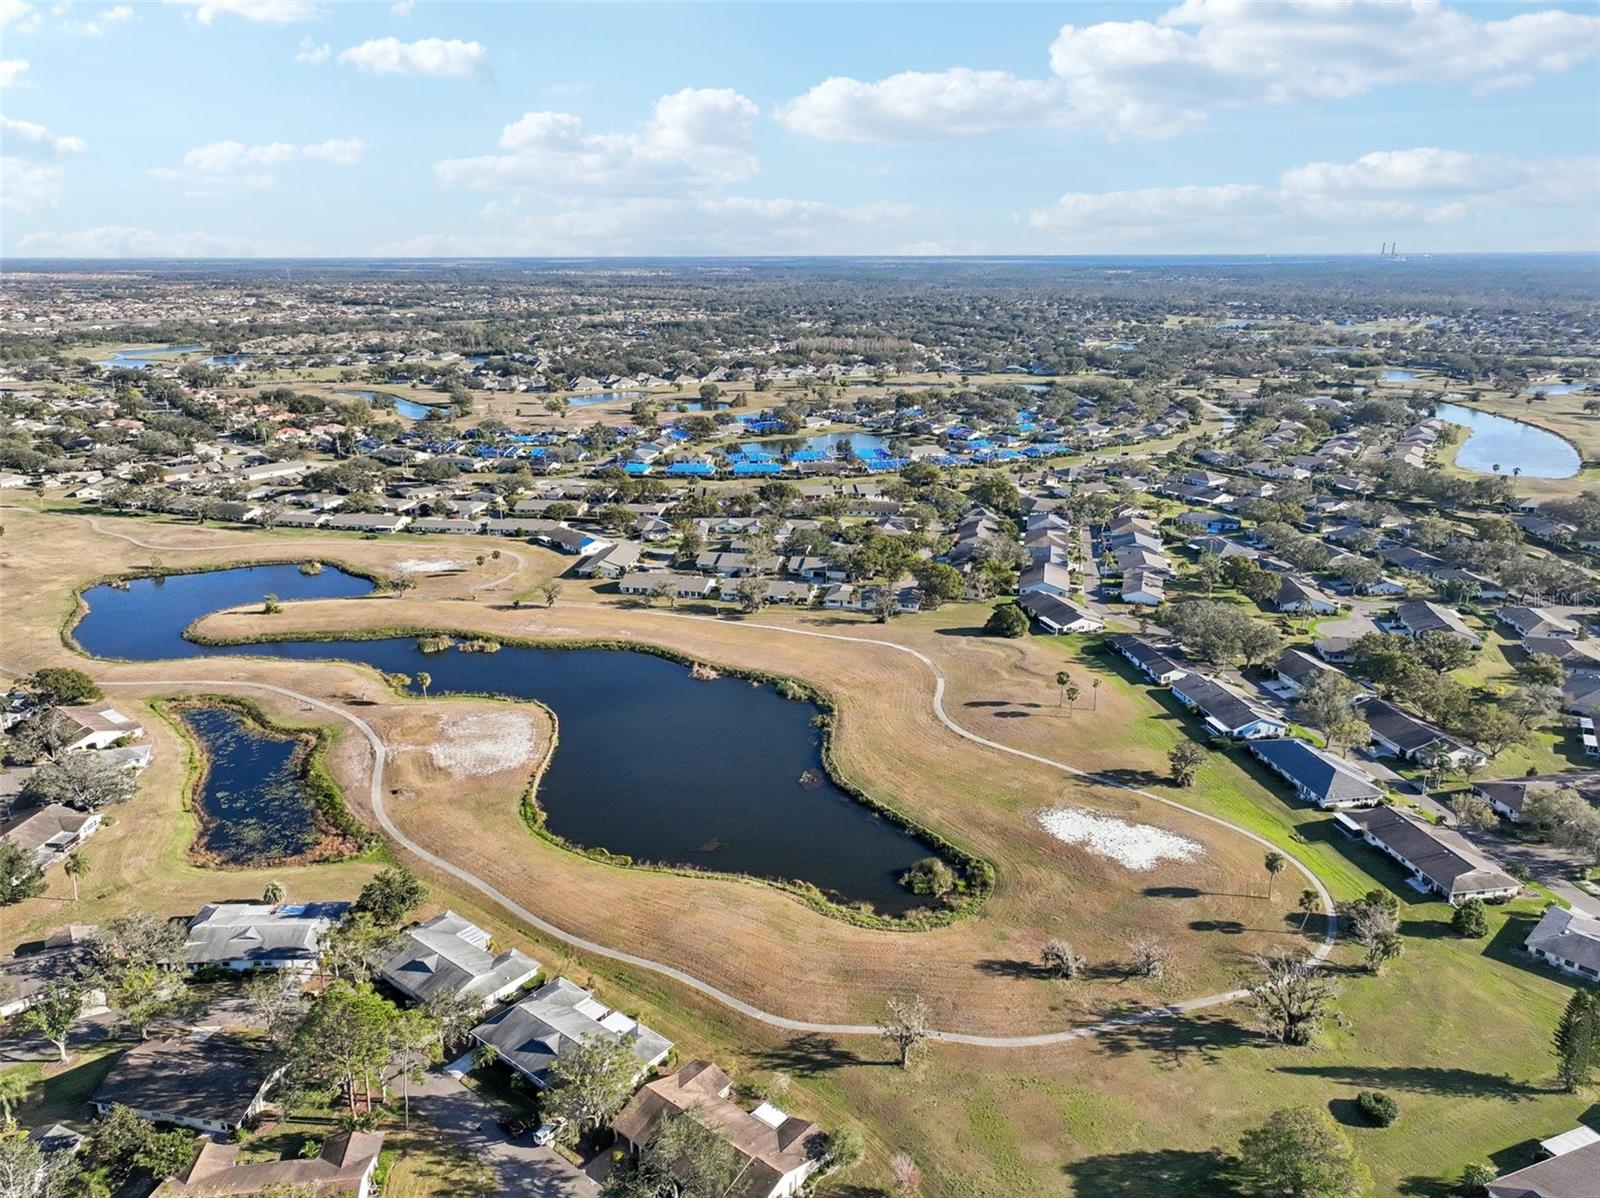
x=448, y=953
x=245, y=936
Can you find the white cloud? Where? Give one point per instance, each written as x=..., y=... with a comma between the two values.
x=1377, y=196
x=1157, y=78
x=268, y=12
x=402, y=8
x=12, y=70
x=29, y=187
x=18, y=16
x=101, y=22
x=686, y=225
x=921, y=106
x=116, y=241
x=28, y=140
x=433, y=57
x=312, y=52
x=224, y=157
x=695, y=137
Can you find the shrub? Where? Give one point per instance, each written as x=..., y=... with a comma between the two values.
x=1008, y=620
x=1377, y=1107
x=1470, y=920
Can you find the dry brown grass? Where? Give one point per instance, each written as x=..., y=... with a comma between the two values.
x=747, y=938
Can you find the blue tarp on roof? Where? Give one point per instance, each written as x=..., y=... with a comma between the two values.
x=636, y=468
x=753, y=469
x=691, y=469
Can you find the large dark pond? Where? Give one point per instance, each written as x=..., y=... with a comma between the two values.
x=719, y=774
x=253, y=802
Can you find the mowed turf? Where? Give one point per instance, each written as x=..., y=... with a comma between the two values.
x=1132, y=1115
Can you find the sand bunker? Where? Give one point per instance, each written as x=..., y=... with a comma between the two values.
x=429, y=565
x=1136, y=846
x=483, y=744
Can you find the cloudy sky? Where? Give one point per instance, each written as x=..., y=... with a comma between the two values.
x=308, y=127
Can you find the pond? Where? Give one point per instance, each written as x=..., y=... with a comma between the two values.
x=824, y=443
x=719, y=774
x=1399, y=376
x=147, y=356
x=1560, y=388
x=591, y=398
x=253, y=805
x=410, y=409
x=1496, y=444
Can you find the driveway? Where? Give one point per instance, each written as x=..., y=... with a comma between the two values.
x=517, y=1166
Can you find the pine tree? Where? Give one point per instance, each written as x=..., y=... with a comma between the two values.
x=1578, y=1040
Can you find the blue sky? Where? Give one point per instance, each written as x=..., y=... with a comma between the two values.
x=304, y=127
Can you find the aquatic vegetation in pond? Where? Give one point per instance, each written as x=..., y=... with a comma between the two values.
x=254, y=796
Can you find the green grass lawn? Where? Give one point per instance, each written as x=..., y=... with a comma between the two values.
x=63, y=1095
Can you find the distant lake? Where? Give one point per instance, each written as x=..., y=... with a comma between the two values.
x=1495, y=440
x=1558, y=388
x=147, y=356
x=1399, y=376
x=410, y=409
x=825, y=443
x=592, y=398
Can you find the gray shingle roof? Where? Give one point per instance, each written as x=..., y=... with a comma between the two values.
x=449, y=953
x=555, y=1019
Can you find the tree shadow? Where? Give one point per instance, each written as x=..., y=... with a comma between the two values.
x=1015, y=970
x=1345, y=1111
x=1136, y=778
x=967, y=632
x=1173, y=892
x=1170, y=1172
x=1178, y=1038
x=1421, y=1186
x=1228, y=927
x=1423, y=1080
x=810, y=1054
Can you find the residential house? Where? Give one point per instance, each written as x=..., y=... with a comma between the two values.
x=1532, y=621
x=1439, y=861
x=1569, y=1174
x=1318, y=776
x=1568, y=940
x=244, y=935
x=1225, y=711
x=365, y=522
x=1144, y=588
x=776, y=1152
x=1401, y=734
x=1043, y=576
x=613, y=562
x=1419, y=616
x=1300, y=595
x=448, y=954
x=96, y=726
x=1510, y=796
x=344, y=1167
x=557, y=1018
x=210, y=1083
x=52, y=831
x=1158, y=663
x=1294, y=672
x=1057, y=615
x=65, y=956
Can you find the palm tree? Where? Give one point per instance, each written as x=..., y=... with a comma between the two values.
x=1094, y=688
x=75, y=867
x=1308, y=906
x=12, y=1088
x=1063, y=680
x=275, y=894
x=1276, y=863
x=424, y=680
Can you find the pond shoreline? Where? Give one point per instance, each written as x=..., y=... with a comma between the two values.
x=1468, y=405
x=339, y=835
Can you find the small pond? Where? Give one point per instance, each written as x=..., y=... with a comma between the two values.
x=1399, y=376
x=589, y=399
x=824, y=443
x=1559, y=388
x=1498, y=444
x=146, y=356
x=252, y=805
x=409, y=409
x=720, y=774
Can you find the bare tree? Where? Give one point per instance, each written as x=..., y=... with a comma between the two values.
x=906, y=1026
x=907, y=1177
x=551, y=592
x=1377, y=927
x=1291, y=997
x=1058, y=957
x=1149, y=956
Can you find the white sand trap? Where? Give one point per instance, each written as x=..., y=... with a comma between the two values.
x=1136, y=846
x=429, y=565
x=483, y=744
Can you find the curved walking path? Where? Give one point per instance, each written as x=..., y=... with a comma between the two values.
x=376, y=797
